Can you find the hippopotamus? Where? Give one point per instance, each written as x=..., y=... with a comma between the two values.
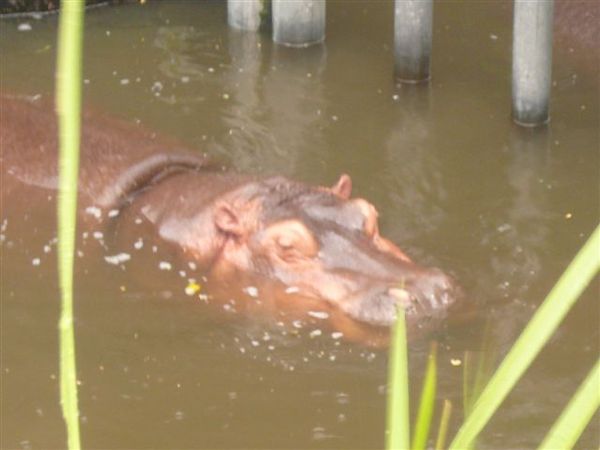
x=308, y=252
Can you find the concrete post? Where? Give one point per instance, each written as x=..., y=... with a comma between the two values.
x=413, y=20
x=532, y=61
x=298, y=23
x=244, y=14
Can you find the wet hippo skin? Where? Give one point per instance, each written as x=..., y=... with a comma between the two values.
x=308, y=252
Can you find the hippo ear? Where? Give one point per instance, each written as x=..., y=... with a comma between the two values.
x=226, y=220
x=343, y=187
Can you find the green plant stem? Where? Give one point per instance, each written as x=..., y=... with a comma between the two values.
x=537, y=332
x=68, y=97
x=398, y=436
x=575, y=417
x=427, y=402
x=440, y=443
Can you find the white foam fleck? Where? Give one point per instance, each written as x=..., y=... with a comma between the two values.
x=337, y=335
x=164, y=265
x=138, y=244
x=192, y=265
x=315, y=333
x=113, y=213
x=35, y=261
x=118, y=258
x=24, y=27
x=292, y=290
x=94, y=211
x=251, y=291
x=98, y=235
x=318, y=314
x=297, y=324
x=47, y=249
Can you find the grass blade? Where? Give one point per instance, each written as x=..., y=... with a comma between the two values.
x=68, y=97
x=468, y=384
x=440, y=443
x=537, y=332
x=398, y=433
x=427, y=402
x=575, y=417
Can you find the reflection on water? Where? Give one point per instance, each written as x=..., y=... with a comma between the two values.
x=457, y=185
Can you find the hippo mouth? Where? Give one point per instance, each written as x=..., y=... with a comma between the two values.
x=427, y=302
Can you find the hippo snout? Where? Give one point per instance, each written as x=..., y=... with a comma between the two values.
x=427, y=298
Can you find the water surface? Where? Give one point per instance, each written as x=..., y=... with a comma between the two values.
x=456, y=184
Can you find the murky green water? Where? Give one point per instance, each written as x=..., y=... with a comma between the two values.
x=456, y=183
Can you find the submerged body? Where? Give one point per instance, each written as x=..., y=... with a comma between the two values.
x=311, y=253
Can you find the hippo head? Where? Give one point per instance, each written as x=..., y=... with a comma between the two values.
x=323, y=246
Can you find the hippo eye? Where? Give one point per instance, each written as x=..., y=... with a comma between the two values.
x=292, y=240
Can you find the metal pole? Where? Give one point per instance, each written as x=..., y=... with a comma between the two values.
x=298, y=23
x=532, y=61
x=413, y=20
x=244, y=14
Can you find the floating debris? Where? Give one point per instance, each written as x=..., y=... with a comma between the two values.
x=192, y=288
x=156, y=88
x=94, y=211
x=251, y=291
x=24, y=27
x=117, y=259
x=318, y=314
x=164, y=265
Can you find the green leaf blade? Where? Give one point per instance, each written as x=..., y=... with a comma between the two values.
x=427, y=402
x=68, y=98
x=398, y=432
x=577, y=414
x=537, y=332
